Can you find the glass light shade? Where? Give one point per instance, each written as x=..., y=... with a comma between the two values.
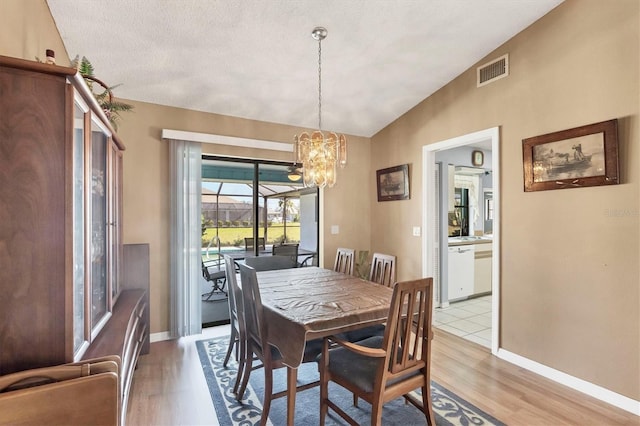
x=320, y=155
x=294, y=174
x=342, y=151
x=294, y=177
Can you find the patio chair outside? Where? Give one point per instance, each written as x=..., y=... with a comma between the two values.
x=249, y=243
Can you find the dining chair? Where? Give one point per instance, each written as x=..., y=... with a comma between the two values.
x=383, y=269
x=383, y=368
x=290, y=250
x=249, y=243
x=345, y=261
x=258, y=345
x=270, y=263
x=238, y=336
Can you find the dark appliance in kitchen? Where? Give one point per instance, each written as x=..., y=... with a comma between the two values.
x=459, y=218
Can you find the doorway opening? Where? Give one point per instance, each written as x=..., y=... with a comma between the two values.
x=245, y=201
x=461, y=246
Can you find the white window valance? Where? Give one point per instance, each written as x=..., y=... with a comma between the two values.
x=170, y=134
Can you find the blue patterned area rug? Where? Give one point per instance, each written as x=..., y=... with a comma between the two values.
x=449, y=408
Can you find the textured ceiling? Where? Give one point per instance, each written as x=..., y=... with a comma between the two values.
x=256, y=58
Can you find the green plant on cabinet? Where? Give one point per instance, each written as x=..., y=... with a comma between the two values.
x=111, y=107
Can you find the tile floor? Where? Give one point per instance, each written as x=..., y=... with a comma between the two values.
x=470, y=319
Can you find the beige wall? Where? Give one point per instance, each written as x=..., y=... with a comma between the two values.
x=27, y=31
x=146, y=188
x=570, y=275
x=570, y=283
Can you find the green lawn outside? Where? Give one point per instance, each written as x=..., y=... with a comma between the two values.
x=235, y=236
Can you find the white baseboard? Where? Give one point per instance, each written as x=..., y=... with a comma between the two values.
x=575, y=383
x=158, y=337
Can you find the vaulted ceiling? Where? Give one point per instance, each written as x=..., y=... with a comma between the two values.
x=256, y=59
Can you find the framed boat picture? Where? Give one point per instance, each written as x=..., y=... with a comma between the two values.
x=393, y=183
x=573, y=158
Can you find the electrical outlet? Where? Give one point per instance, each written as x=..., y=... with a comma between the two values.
x=416, y=231
x=335, y=229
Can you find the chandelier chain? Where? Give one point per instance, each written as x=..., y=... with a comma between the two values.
x=319, y=153
x=320, y=84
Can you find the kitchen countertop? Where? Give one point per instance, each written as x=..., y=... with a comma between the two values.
x=458, y=241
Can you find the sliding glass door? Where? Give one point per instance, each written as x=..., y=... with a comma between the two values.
x=248, y=199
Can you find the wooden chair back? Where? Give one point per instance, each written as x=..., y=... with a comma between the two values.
x=345, y=261
x=249, y=243
x=238, y=335
x=258, y=345
x=270, y=263
x=234, y=292
x=383, y=269
x=408, y=334
x=390, y=366
x=290, y=250
x=256, y=326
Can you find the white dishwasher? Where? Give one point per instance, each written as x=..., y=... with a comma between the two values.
x=461, y=271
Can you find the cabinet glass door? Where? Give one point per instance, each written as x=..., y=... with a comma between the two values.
x=79, y=306
x=98, y=226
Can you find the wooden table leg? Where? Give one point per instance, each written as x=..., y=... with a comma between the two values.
x=292, y=383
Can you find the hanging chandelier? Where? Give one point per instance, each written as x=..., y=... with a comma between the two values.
x=319, y=153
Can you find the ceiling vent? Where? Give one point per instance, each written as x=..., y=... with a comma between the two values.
x=494, y=70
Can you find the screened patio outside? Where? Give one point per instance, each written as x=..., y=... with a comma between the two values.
x=238, y=197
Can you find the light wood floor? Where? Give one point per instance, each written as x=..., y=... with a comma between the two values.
x=169, y=387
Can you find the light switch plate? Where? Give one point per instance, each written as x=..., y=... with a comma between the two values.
x=335, y=229
x=416, y=231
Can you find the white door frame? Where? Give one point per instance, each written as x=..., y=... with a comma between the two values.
x=429, y=213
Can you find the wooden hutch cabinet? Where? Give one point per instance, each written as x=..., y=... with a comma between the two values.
x=61, y=252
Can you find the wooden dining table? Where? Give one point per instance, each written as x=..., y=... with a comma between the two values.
x=303, y=304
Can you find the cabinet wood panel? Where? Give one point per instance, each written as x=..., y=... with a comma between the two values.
x=52, y=131
x=33, y=158
x=66, y=293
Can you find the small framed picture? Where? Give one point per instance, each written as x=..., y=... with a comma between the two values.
x=477, y=158
x=393, y=183
x=573, y=158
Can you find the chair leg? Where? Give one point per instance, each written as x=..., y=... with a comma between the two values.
x=428, y=405
x=324, y=383
x=237, y=353
x=376, y=412
x=242, y=362
x=268, y=393
x=246, y=374
x=233, y=341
